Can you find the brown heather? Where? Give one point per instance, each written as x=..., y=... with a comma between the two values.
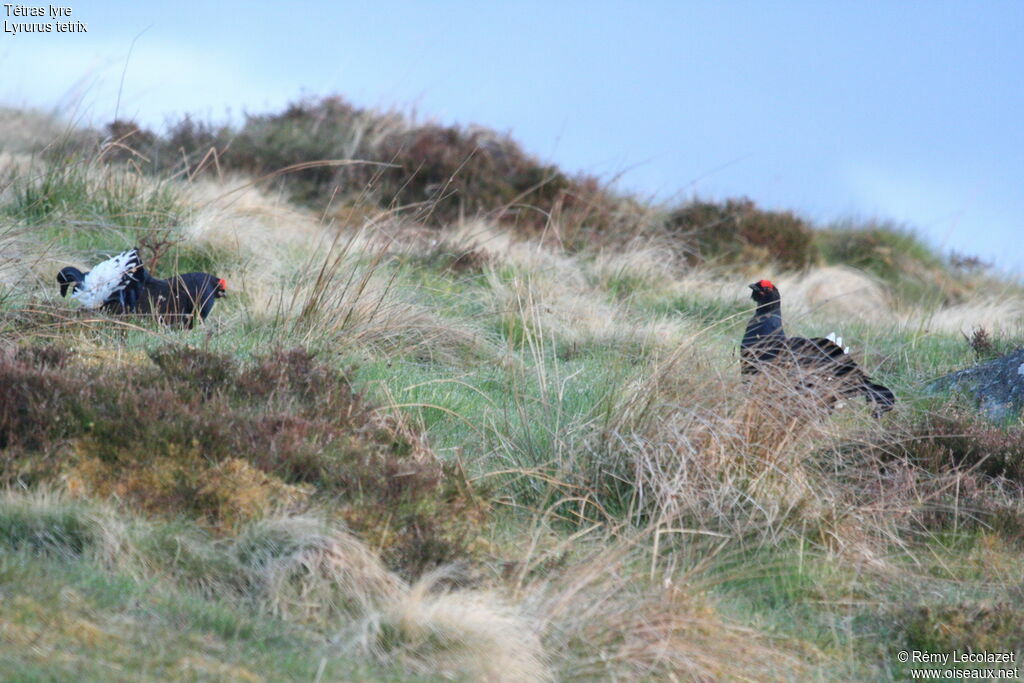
x=195, y=433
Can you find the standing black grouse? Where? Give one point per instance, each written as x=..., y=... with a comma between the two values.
x=823, y=364
x=122, y=285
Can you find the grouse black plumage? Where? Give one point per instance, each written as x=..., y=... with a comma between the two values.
x=824, y=365
x=176, y=300
x=121, y=284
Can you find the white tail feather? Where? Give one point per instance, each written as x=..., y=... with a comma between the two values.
x=838, y=341
x=107, y=278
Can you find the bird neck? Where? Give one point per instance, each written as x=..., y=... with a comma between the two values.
x=766, y=322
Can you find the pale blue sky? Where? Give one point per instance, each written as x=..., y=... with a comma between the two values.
x=908, y=110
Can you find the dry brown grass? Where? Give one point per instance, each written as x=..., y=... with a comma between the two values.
x=703, y=451
x=350, y=294
x=468, y=632
x=759, y=459
x=312, y=571
x=46, y=520
x=305, y=569
x=837, y=292
x=605, y=618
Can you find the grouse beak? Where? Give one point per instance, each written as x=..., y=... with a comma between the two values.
x=753, y=285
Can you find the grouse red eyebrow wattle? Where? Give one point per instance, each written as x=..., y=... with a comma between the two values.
x=223, y=284
x=766, y=284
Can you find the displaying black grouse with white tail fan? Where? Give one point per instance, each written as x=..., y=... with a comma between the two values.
x=121, y=284
x=105, y=284
x=823, y=364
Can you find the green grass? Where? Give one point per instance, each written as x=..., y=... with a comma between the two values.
x=63, y=531
x=881, y=248
x=725, y=316
x=71, y=618
x=90, y=202
x=489, y=413
x=915, y=271
x=93, y=211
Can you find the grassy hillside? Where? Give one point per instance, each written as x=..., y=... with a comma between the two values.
x=464, y=415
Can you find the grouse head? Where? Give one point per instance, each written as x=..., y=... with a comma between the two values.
x=764, y=293
x=222, y=288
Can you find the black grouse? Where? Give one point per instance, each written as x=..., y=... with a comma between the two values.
x=121, y=284
x=823, y=364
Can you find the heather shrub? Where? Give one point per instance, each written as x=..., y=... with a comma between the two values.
x=127, y=141
x=977, y=627
x=954, y=438
x=738, y=231
x=436, y=174
x=949, y=470
x=455, y=172
x=199, y=434
x=37, y=403
x=304, y=131
x=191, y=145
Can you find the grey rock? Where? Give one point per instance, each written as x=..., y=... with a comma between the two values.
x=997, y=385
